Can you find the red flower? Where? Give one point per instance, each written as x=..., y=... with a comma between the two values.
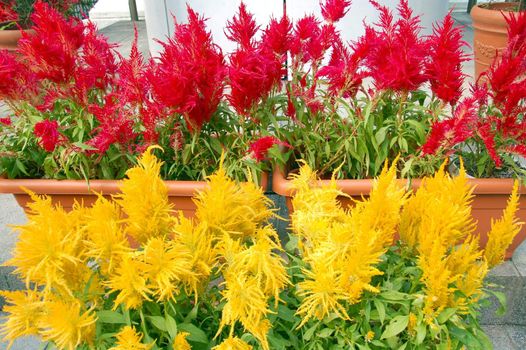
x=132, y=82
x=259, y=148
x=517, y=149
x=276, y=37
x=448, y=133
x=53, y=48
x=488, y=137
x=396, y=54
x=50, y=137
x=334, y=10
x=190, y=72
x=310, y=41
x=242, y=28
x=7, y=11
x=5, y=121
x=444, y=69
x=17, y=81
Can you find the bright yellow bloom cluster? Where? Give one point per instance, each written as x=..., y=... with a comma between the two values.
x=341, y=247
x=437, y=225
x=136, y=249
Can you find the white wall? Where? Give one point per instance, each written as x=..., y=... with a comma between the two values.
x=115, y=9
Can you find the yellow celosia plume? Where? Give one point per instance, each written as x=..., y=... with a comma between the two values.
x=144, y=199
x=503, y=230
x=180, y=342
x=233, y=343
x=129, y=339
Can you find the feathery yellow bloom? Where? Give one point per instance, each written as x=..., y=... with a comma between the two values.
x=322, y=293
x=263, y=264
x=129, y=281
x=369, y=337
x=180, y=342
x=504, y=230
x=196, y=239
x=227, y=207
x=165, y=264
x=232, y=343
x=129, y=339
x=24, y=309
x=106, y=241
x=47, y=242
x=245, y=302
x=67, y=325
x=144, y=199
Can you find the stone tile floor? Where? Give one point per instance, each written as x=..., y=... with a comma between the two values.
x=504, y=337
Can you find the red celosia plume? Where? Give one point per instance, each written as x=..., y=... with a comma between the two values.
x=242, y=28
x=50, y=137
x=334, y=10
x=444, y=68
x=259, y=148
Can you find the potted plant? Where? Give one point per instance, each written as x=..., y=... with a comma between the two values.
x=488, y=132
x=81, y=112
x=222, y=281
x=490, y=30
x=341, y=124
x=15, y=16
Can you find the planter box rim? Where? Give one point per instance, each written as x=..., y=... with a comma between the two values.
x=178, y=188
x=358, y=187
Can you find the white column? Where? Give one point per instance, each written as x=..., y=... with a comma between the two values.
x=159, y=20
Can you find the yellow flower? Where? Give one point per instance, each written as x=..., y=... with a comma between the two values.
x=180, y=342
x=504, y=230
x=369, y=337
x=263, y=264
x=144, y=199
x=227, y=207
x=106, y=241
x=67, y=325
x=165, y=264
x=50, y=240
x=197, y=241
x=129, y=339
x=129, y=281
x=232, y=343
x=24, y=309
x=247, y=303
x=411, y=326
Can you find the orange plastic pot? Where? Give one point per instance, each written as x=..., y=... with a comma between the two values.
x=491, y=197
x=490, y=32
x=67, y=192
x=9, y=38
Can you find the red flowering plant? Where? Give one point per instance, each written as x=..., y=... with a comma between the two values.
x=488, y=129
x=80, y=110
x=361, y=103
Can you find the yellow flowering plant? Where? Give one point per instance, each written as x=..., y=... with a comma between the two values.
x=131, y=274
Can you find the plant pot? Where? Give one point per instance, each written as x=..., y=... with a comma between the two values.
x=9, y=39
x=67, y=192
x=490, y=199
x=490, y=32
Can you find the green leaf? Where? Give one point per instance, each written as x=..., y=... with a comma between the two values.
x=171, y=326
x=159, y=322
x=325, y=333
x=396, y=326
x=108, y=316
x=381, y=310
x=285, y=313
x=420, y=333
x=196, y=334
x=446, y=315
x=501, y=297
x=310, y=332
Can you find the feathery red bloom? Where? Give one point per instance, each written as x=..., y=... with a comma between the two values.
x=449, y=132
x=343, y=72
x=397, y=54
x=5, y=121
x=487, y=136
x=50, y=137
x=7, y=11
x=17, y=81
x=276, y=37
x=132, y=83
x=189, y=76
x=517, y=149
x=242, y=28
x=310, y=40
x=334, y=10
x=259, y=148
x=52, y=49
x=444, y=69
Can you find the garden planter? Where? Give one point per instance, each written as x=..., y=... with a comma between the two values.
x=490, y=32
x=66, y=192
x=9, y=39
x=491, y=196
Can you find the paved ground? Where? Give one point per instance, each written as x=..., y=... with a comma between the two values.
x=504, y=337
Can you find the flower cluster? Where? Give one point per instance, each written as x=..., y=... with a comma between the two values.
x=490, y=121
x=131, y=273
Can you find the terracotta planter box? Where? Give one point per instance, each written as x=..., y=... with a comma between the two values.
x=491, y=196
x=66, y=192
x=490, y=32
